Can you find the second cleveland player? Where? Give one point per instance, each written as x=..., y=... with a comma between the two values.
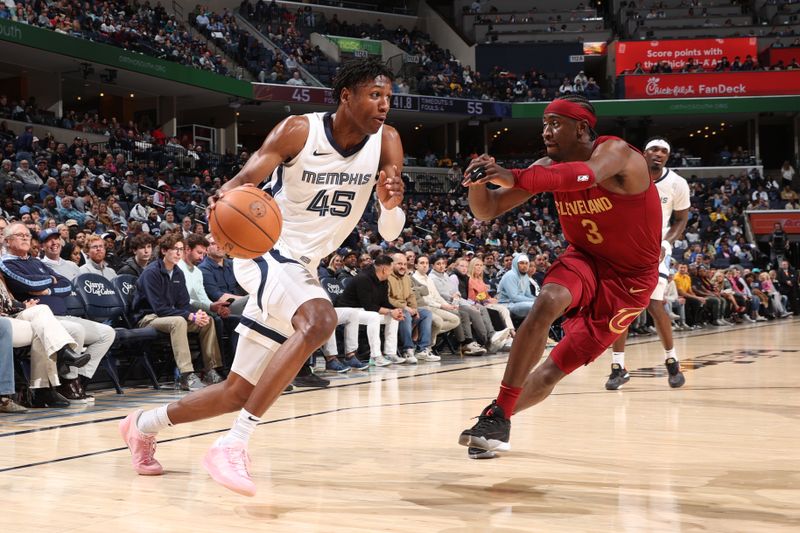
x=674, y=194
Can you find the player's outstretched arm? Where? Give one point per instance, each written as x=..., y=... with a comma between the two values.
x=390, y=186
x=283, y=143
x=613, y=158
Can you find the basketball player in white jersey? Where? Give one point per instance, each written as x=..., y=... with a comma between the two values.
x=675, y=203
x=324, y=168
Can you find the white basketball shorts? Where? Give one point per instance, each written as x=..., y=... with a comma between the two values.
x=277, y=286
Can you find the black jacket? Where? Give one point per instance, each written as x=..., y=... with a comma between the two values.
x=365, y=291
x=157, y=293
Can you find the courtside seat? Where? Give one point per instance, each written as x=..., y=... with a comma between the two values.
x=102, y=303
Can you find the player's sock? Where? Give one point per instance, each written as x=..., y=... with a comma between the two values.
x=618, y=358
x=242, y=429
x=507, y=398
x=152, y=421
x=670, y=354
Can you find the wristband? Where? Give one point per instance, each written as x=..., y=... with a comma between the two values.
x=667, y=248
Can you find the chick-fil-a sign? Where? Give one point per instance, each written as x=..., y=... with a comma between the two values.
x=705, y=52
x=712, y=85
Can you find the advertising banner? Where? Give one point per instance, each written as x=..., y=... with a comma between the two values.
x=712, y=84
x=706, y=52
x=763, y=222
x=352, y=45
x=772, y=55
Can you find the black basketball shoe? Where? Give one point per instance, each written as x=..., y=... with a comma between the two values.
x=478, y=453
x=618, y=377
x=490, y=433
x=675, y=377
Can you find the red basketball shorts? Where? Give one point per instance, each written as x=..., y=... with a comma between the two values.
x=604, y=303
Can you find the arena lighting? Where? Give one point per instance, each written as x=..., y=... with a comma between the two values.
x=131, y=95
x=505, y=129
x=102, y=94
x=706, y=127
x=79, y=98
x=691, y=135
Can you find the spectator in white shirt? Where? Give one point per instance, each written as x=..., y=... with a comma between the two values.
x=296, y=79
x=96, y=263
x=51, y=243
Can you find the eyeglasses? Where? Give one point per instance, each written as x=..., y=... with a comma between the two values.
x=21, y=235
x=98, y=247
x=177, y=249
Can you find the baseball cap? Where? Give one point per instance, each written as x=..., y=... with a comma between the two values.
x=71, y=222
x=65, y=166
x=129, y=173
x=470, y=252
x=109, y=235
x=46, y=234
x=28, y=196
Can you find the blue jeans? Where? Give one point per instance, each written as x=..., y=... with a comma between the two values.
x=7, y=358
x=520, y=309
x=424, y=319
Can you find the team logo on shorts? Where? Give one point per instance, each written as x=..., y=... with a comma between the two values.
x=623, y=319
x=258, y=209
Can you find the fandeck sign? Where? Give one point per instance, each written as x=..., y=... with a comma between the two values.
x=718, y=84
x=705, y=52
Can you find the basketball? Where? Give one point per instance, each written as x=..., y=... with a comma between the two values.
x=246, y=222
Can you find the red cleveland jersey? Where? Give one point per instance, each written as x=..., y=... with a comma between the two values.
x=623, y=230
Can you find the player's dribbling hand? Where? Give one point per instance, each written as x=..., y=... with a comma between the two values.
x=390, y=188
x=492, y=173
x=214, y=198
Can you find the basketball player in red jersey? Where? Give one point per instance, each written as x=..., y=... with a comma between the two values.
x=610, y=213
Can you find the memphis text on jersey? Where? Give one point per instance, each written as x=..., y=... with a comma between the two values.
x=336, y=178
x=584, y=207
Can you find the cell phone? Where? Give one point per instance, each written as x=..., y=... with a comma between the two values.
x=477, y=173
x=230, y=300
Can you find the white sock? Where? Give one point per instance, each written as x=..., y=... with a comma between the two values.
x=670, y=353
x=152, y=421
x=618, y=358
x=242, y=428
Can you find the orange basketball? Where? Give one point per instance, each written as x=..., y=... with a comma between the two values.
x=246, y=222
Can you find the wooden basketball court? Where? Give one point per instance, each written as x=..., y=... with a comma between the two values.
x=377, y=451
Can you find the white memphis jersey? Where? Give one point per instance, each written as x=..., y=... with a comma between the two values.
x=674, y=193
x=323, y=191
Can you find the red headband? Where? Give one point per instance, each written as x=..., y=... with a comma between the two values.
x=565, y=108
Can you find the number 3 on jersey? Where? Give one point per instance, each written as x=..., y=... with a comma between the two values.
x=339, y=203
x=592, y=233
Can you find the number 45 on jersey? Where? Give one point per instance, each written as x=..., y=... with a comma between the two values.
x=337, y=204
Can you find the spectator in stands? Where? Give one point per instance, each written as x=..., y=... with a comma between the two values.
x=475, y=338
x=7, y=389
x=479, y=293
x=142, y=248
x=169, y=223
x=96, y=264
x=788, y=285
x=28, y=176
x=162, y=301
x=296, y=79
x=787, y=173
x=51, y=242
x=445, y=316
x=29, y=278
x=460, y=279
x=369, y=291
x=219, y=280
x=779, y=244
x=402, y=297
x=349, y=268
x=514, y=289
x=35, y=326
